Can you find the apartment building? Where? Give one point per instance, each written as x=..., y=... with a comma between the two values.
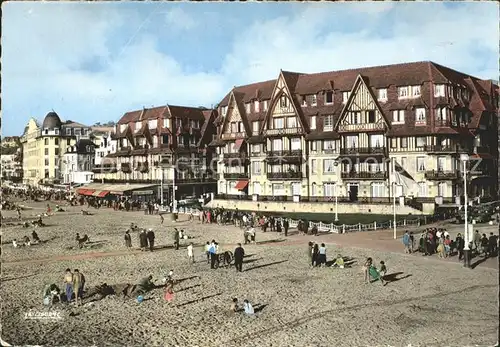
x=78, y=162
x=162, y=144
x=362, y=135
x=44, y=146
x=11, y=159
x=105, y=144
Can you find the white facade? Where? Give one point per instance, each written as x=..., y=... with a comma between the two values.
x=105, y=145
x=10, y=167
x=78, y=162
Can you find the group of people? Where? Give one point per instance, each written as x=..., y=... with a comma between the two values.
x=73, y=284
x=372, y=274
x=26, y=240
x=438, y=241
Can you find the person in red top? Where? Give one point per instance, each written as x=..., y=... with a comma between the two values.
x=447, y=245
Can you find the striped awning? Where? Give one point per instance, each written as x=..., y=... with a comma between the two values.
x=100, y=193
x=87, y=192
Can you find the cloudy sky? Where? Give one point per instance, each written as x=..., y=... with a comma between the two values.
x=92, y=62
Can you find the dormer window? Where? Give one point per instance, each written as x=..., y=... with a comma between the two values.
x=314, y=100
x=403, y=92
x=304, y=101
x=223, y=110
x=284, y=101
x=382, y=94
x=439, y=90
x=166, y=123
x=329, y=97
x=138, y=126
x=122, y=128
x=256, y=106
x=328, y=123
x=265, y=105
x=415, y=90
x=152, y=123
x=420, y=118
x=247, y=107
x=78, y=132
x=68, y=131
x=345, y=97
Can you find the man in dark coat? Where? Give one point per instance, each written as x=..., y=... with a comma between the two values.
x=286, y=226
x=151, y=239
x=176, y=239
x=239, y=253
x=143, y=240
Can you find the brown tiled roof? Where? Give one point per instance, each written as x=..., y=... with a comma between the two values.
x=406, y=74
x=132, y=116
x=185, y=112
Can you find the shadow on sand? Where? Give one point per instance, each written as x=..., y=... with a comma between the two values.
x=265, y=265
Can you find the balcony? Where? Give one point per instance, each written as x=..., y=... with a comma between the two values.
x=235, y=175
x=289, y=156
x=284, y=175
x=364, y=175
x=361, y=127
x=283, y=132
x=104, y=169
x=441, y=175
x=363, y=151
x=441, y=148
x=234, y=135
x=237, y=155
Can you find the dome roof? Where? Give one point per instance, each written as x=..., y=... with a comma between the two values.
x=51, y=121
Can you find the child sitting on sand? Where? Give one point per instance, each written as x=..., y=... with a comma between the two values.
x=371, y=272
x=383, y=269
x=339, y=262
x=234, y=306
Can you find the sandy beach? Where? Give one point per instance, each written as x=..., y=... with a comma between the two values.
x=430, y=302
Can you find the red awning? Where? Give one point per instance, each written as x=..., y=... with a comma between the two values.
x=241, y=185
x=89, y=192
x=103, y=194
x=81, y=191
x=237, y=144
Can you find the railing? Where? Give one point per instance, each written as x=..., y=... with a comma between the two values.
x=284, y=175
x=441, y=148
x=196, y=180
x=235, y=176
x=441, y=175
x=363, y=150
x=364, y=175
x=361, y=127
x=286, y=131
x=285, y=153
x=333, y=227
x=237, y=155
x=233, y=136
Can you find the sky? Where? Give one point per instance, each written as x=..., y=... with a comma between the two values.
x=92, y=62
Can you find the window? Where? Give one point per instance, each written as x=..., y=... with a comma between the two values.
x=265, y=105
x=278, y=123
x=420, y=116
x=46, y=142
x=314, y=100
x=328, y=145
x=256, y=167
x=329, y=97
x=441, y=115
x=441, y=163
x=415, y=90
x=314, y=146
x=46, y=151
x=164, y=139
x=398, y=117
x=313, y=122
x=256, y=106
x=422, y=189
x=329, y=189
x=291, y=122
x=240, y=127
x=295, y=188
x=138, y=126
x=378, y=190
x=283, y=101
x=442, y=189
x=247, y=107
x=328, y=123
x=329, y=166
x=394, y=142
x=439, y=90
x=68, y=131
x=371, y=116
x=278, y=189
x=295, y=144
x=354, y=117
x=167, y=122
x=277, y=145
x=351, y=141
x=345, y=97
x=403, y=92
x=314, y=166
x=420, y=141
x=56, y=151
x=56, y=131
x=314, y=189
x=420, y=164
x=56, y=142
x=152, y=123
x=255, y=148
x=46, y=162
x=255, y=127
x=376, y=141
x=234, y=127
x=404, y=142
x=223, y=110
x=256, y=188
x=382, y=94
x=304, y=101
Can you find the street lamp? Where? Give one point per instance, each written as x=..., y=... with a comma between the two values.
x=464, y=158
x=336, y=163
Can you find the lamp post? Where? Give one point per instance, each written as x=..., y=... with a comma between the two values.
x=464, y=158
x=393, y=186
x=336, y=163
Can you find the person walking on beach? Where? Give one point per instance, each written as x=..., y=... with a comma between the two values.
x=128, y=240
x=77, y=282
x=68, y=285
x=190, y=253
x=143, y=240
x=286, y=226
x=315, y=253
x=161, y=218
x=406, y=241
x=322, y=255
x=310, y=246
x=477, y=241
x=176, y=239
x=239, y=254
x=151, y=239
x=207, y=251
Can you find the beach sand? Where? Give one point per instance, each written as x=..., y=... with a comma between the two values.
x=430, y=302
